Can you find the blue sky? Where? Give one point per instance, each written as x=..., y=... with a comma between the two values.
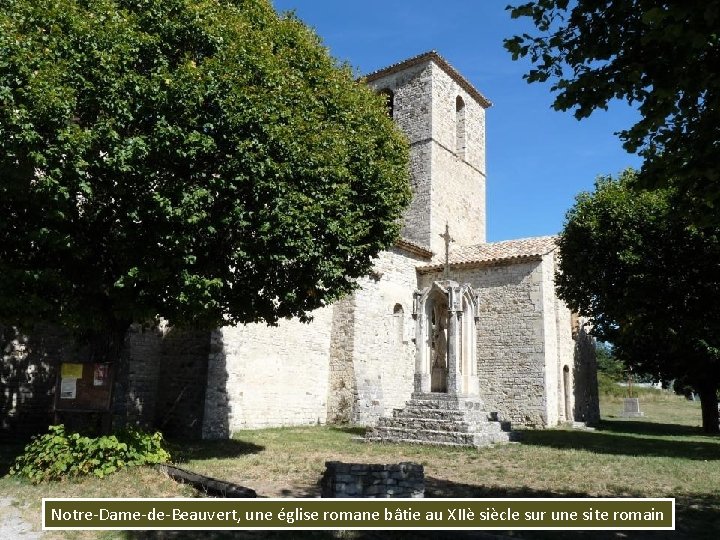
x=537, y=159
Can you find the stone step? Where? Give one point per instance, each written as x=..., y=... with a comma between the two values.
x=428, y=436
x=443, y=414
x=442, y=419
x=414, y=441
x=453, y=404
x=435, y=424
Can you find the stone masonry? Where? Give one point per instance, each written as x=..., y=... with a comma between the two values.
x=356, y=361
x=362, y=480
x=441, y=420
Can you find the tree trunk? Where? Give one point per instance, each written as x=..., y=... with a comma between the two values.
x=110, y=346
x=709, y=406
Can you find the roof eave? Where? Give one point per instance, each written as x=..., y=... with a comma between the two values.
x=505, y=261
x=442, y=63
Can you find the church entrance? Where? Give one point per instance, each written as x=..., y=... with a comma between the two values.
x=438, y=322
x=446, y=315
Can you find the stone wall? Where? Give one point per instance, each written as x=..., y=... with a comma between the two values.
x=458, y=177
x=448, y=183
x=181, y=382
x=167, y=368
x=364, y=480
x=524, y=343
x=510, y=331
x=458, y=199
x=445, y=91
x=553, y=361
x=566, y=361
x=416, y=222
x=587, y=404
x=384, y=351
x=571, y=378
x=353, y=363
x=412, y=112
x=261, y=376
x=27, y=378
x=342, y=386
x=166, y=371
x=145, y=349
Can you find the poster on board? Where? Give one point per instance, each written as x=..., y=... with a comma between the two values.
x=101, y=374
x=68, y=388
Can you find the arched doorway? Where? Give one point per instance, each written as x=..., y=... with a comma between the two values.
x=445, y=334
x=567, y=394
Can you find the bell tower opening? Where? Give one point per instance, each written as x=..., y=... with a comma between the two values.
x=460, y=127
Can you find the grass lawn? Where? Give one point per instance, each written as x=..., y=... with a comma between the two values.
x=663, y=454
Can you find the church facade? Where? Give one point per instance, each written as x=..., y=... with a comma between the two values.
x=442, y=291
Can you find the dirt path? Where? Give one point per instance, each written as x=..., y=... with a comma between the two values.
x=12, y=525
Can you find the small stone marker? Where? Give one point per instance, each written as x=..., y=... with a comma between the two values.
x=631, y=408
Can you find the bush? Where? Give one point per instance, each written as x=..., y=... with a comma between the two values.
x=58, y=454
x=607, y=385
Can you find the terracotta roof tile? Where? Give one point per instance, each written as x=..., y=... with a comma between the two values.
x=492, y=252
x=413, y=247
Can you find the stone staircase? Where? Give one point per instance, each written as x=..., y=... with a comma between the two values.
x=441, y=419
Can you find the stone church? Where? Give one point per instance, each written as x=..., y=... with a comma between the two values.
x=444, y=314
x=490, y=306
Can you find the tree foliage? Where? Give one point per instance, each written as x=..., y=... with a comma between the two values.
x=648, y=280
x=607, y=364
x=206, y=161
x=662, y=56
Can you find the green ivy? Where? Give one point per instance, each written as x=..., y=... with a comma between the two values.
x=58, y=454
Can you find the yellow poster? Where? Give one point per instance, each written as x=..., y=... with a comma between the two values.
x=71, y=371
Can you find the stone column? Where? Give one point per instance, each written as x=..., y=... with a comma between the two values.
x=470, y=319
x=422, y=364
x=454, y=380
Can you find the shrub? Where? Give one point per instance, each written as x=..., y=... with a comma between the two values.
x=58, y=454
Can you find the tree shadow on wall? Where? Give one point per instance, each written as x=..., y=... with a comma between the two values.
x=27, y=379
x=624, y=442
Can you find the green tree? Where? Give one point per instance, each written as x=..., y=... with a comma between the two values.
x=206, y=161
x=661, y=56
x=607, y=364
x=649, y=281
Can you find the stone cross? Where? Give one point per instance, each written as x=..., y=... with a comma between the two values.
x=447, y=239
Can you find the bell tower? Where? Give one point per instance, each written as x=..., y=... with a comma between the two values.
x=443, y=117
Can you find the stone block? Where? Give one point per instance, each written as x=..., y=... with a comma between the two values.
x=372, y=480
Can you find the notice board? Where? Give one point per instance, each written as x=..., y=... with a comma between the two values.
x=83, y=386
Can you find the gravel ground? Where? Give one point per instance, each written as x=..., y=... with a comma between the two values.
x=12, y=525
